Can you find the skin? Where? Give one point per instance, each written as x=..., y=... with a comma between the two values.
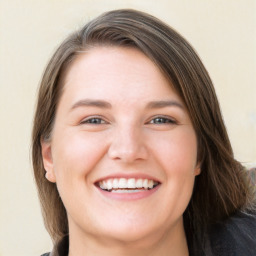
x=131, y=137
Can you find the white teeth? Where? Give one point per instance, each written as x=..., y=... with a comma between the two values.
x=130, y=184
x=139, y=183
x=115, y=183
x=145, y=183
x=150, y=183
x=122, y=183
x=109, y=184
x=127, y=191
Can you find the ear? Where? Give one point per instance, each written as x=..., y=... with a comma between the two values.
x=197, y=170
x=48, y=161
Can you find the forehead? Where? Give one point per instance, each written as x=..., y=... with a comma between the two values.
x=116, y=70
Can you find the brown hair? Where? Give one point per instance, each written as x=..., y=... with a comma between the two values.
x=220, y=189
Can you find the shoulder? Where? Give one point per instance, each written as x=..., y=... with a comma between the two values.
x=235, y=236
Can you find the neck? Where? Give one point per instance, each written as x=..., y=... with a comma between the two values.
x=172, y=242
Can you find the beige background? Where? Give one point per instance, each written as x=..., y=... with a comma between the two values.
x=222, y=31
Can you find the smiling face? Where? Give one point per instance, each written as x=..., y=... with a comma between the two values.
x=123, y=150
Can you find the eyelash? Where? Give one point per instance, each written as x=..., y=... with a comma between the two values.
x=164, y=120
x=94, y=121
x=158, y=120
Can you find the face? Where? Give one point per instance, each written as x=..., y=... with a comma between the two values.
x=123, y=151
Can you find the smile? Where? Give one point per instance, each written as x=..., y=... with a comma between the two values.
x=123, y=185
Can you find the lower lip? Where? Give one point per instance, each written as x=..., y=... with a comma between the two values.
x=129, y=196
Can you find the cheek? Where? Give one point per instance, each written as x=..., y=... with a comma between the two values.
x=77, y=154
x=177, y=152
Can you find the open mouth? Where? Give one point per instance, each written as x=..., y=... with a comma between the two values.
x=123, y=185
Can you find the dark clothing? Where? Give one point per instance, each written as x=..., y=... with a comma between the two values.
x=236, y=237
x=233, y=237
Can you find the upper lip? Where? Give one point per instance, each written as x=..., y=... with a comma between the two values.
x=128, y=176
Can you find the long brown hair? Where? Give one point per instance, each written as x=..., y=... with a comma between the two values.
x=221, y=188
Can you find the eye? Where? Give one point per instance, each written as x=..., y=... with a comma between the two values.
x=162, y=120
x=93, y=120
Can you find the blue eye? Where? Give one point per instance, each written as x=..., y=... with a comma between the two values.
x=162, y=120
x=94, y=120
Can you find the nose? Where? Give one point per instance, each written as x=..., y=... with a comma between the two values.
x=127, y=145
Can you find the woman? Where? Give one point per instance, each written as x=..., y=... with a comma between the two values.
x=130, y=152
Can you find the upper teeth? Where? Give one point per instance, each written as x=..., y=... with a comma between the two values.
x=126, y=183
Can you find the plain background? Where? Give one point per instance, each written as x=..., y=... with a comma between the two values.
x=222, y=31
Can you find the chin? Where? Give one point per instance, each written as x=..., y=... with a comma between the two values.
x=132, y=232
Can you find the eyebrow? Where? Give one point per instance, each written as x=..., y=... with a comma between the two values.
x=105, y=104
x=91, y=103
x=164, y=103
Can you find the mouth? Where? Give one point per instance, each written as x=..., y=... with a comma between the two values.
x=123, y=185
